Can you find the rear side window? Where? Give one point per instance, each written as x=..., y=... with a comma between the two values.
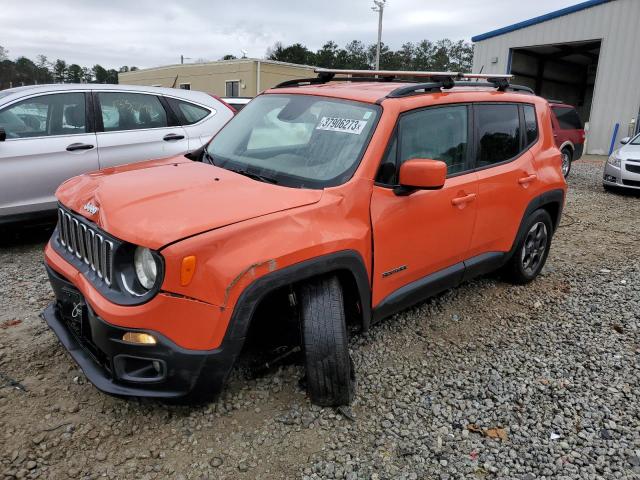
x=188, y=112
x=45, y=116
x=131, y=111
x=498, y=129
x=568, y=118
x=530, y=124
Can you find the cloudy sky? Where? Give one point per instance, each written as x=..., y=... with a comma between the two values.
x=148, y=33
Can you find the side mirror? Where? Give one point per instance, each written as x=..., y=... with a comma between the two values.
x=421, y=174
x=3, y=135
x=625, y=140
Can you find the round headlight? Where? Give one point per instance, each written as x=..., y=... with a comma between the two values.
x=146, y=267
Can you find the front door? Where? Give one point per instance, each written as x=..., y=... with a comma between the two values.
x=427, y=232
x=136, y=127
x=48, y=141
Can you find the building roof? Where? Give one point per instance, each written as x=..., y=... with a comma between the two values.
x=542, y=18
x=220, y=62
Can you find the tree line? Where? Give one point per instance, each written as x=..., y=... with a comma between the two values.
x=24, y=71
x=442, y=55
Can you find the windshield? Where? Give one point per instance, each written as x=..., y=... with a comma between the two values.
x=296, y=140
x=635, y=140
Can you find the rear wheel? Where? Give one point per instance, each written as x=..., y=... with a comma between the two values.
x=330, y=373
x=532, y=250
x=567, y=158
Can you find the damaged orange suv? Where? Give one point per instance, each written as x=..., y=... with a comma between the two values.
x=342, y=198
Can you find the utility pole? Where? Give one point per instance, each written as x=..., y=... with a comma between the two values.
x=183, y=58
x=379, y=7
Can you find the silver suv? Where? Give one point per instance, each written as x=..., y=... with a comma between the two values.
x=622, y=170
x=50, y=133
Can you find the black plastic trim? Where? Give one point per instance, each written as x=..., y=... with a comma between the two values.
x=419, y=290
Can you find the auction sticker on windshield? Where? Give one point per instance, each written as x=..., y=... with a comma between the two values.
x=346, y=125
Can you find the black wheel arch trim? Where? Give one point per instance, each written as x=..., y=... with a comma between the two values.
x=552, y=197
x=247, y=304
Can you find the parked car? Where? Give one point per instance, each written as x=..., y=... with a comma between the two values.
x=238, y=103
x=50, y=133
x=568, y=130
x=622, y=170
x=365, y=199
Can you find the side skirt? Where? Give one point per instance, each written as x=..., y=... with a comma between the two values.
x=438, y=282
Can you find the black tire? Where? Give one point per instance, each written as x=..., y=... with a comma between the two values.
x=532, y=250
x=567, y=159
x=330, y=373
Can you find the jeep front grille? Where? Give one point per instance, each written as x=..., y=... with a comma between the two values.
x=87, y=244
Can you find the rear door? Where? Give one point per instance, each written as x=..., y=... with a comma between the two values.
x=134, y=127
x=428, y=231
x=507, y=178
x=50, y=139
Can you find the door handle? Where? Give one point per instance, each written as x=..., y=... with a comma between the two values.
x=172, y=136
x=461, y=201
x=79, y=146
x=527, y=180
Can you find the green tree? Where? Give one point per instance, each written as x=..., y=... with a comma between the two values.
x=326, y=57
x=296, y=53
x=100, y=74
x=356, y=55
x=74, y=73
x=112, y=76
x=59, y=71
x=229, y=57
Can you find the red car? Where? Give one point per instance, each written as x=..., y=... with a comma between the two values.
x=568, y=131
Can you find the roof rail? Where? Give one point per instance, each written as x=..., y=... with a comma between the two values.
x=417, y=88
x=437, y=80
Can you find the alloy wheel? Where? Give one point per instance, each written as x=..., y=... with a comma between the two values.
x=535, y=245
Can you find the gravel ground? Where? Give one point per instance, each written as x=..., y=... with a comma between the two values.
x=486, y=381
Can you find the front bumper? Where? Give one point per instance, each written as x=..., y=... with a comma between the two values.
x=164, y=370
x=627, y=176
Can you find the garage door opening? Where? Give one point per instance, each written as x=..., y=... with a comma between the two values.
x=563, y=71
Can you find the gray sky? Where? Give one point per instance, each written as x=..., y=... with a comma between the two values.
x=148, y=33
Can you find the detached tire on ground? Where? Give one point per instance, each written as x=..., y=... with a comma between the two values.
x=532, y=250
x=330, y=375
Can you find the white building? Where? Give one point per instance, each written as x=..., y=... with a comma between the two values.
x=587, y=55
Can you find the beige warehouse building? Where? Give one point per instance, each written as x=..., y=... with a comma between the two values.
x=245, y=77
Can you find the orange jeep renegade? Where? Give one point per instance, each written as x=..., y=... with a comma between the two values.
x=349, y=198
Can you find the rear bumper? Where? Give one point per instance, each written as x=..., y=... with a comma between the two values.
x=164, y=370
x=577, y=155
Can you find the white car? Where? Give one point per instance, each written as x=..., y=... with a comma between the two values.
x=50, y=133
x=238, y=103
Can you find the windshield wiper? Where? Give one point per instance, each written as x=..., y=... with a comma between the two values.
x=256, y=176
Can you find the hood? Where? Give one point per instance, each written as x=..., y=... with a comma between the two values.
x=155, y=203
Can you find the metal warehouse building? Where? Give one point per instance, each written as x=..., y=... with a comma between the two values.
x=587, y=55
x=245, y=77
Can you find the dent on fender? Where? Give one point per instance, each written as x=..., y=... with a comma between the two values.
x=271, y=265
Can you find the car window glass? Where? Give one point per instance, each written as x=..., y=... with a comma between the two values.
x=568, y=118
x=436, y=133
x=192, y=113
x=131, y=111
x=387, y=173
x=46, y=115
x=273, y=132
x=498, y=129
x=530, y=124
x=296, y=140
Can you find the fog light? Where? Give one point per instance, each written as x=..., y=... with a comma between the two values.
x=139, y=337
x=610, y=178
